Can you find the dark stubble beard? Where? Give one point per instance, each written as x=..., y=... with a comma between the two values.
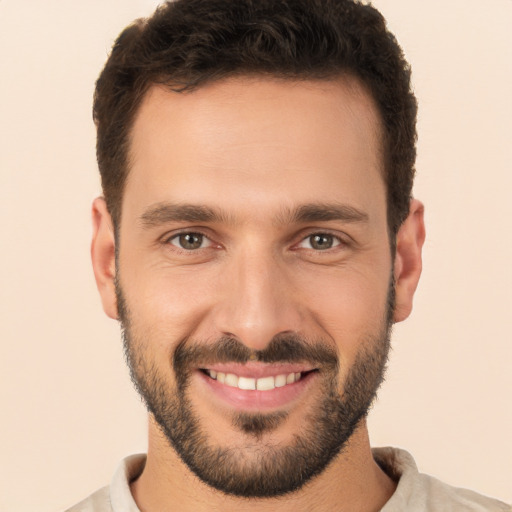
x=262, y=469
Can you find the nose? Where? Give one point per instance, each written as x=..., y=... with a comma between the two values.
x=258, y=300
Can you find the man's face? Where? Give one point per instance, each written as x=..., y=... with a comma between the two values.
x=254, y=253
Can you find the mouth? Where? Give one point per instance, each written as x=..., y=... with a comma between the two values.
x=257, y=384
x=257, y=387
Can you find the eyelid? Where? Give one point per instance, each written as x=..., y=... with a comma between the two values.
x=173, y=233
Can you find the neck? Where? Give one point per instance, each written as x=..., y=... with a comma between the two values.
x=352, y=481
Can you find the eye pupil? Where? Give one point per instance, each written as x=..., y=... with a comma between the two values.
x=321, y=242
x=191, y=240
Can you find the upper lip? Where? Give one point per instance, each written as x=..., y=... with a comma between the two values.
x=258, y=370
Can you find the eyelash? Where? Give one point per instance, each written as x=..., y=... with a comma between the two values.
x=337, y=241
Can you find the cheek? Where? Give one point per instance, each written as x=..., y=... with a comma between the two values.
x=349, y=306
x=166, y=305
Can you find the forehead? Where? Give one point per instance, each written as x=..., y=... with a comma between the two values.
x=255, y=142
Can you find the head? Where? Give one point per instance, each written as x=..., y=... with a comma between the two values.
x=257, y=238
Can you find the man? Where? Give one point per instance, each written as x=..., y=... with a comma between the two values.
x=257, y=239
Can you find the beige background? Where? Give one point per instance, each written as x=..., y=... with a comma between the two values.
x=68, y=413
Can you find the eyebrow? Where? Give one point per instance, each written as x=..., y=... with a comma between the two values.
x=162, y=213
x=318, y=212
x=165, y=212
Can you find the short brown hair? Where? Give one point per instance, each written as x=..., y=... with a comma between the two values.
x=187, y=43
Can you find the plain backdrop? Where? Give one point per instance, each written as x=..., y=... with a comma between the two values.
x=68, y=410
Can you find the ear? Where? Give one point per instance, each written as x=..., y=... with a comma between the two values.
x=103, y=256
x=407, y=268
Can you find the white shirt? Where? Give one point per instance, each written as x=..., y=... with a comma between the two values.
x=416, y=492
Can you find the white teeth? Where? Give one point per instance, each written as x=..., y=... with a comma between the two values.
x=246, y=383
x=231, y=380
x=265, y=383
x=280, y=381
x=249, y=383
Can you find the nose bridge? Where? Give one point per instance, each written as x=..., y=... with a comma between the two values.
x=258, y=301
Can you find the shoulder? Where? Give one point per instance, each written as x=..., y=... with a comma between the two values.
x=424, y=493
x=97, y=502
x=117, y=496
x=440, y=496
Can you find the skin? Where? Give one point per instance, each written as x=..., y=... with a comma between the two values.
x=256, y=149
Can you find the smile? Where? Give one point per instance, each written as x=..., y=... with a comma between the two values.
x=257, y=384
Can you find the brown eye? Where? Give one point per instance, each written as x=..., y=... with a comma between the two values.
x=320, y=242
x=189, y=241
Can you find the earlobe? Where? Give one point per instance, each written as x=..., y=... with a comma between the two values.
x=408, y=263
x=103, y=256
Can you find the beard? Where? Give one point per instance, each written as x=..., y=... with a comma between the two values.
x=260, y=468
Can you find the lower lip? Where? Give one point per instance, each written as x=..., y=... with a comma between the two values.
x=254, y=400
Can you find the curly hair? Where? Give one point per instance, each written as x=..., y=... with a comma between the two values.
x=188, y=43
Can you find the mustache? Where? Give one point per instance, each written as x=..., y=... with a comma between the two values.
x=282, y=348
